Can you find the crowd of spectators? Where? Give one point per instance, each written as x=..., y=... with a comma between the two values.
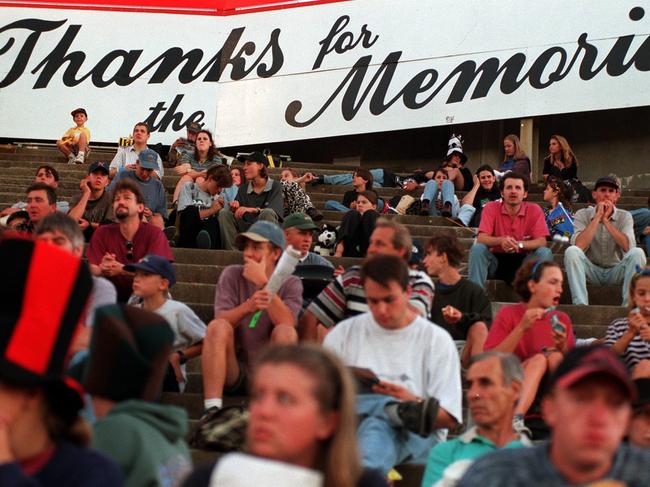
x=403, y=331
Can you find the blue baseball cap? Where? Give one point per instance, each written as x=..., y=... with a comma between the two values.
x=148, y=159
x=262, y=231
x=154, y=264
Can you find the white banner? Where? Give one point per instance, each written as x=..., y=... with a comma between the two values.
x=320, y=70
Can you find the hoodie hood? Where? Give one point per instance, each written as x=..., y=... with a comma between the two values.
x=170, y=421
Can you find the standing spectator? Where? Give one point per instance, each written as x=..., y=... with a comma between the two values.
x=192, y=167
x=75, y=141
x=641, y=218
x=629, y=336
x=362, y=180
x=126, y=157
x=154, y=276
x=588, y=409
x=258, y=198
x=155, y=200
x=198, y=207
x=238, y=332
x=515, y=159
x=493, y=384
x=558, y=217
x=511, y=231
x=416, y=394
x=183, y=147
x=460, y=306
x=484, y=190
x=345, y=296
x=43, y=439
x=533, y=330
x=438, y=197
x=41, y=201
x=299, y=233
x=93, y=206
x=123, y=374
x=603, y=249
x=314, y=430
x=639, y=431
x=127, y=241
x=45, y=174
x=357, y=226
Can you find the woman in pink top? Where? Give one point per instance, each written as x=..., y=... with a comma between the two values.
x=533, y=330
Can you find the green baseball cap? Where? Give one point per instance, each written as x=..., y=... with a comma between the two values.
x=299, y=221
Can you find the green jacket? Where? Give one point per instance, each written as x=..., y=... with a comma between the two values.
x=147, y=441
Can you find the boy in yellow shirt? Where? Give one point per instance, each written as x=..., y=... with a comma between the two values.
x=75, y=141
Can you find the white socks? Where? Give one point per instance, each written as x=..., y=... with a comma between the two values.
x=212, y=402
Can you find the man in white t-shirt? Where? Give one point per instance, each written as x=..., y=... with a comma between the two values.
x=412, y=391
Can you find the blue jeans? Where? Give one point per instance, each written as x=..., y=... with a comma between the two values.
x=334, y=205
x=580, y=270
x=484, y=264
x=377, y=175
x=431, y=193
x=641, y=217
x=383, y=446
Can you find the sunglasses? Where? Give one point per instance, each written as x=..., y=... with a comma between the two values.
x=129, y=250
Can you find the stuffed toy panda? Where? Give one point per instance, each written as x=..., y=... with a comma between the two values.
x=326, y=245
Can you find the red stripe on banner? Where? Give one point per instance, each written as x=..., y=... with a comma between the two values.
x=52, y=274
x=196, y=7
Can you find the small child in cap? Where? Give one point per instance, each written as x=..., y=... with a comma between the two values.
x=74, y=143
x=154, y=275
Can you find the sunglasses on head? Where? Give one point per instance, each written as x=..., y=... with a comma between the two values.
x=129, y=250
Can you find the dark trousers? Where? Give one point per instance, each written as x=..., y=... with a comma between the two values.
x=355, y=232
x=190, y=224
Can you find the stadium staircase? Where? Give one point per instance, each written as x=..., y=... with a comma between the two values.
x=198, y=270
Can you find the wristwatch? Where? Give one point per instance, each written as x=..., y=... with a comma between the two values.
x=520, y=244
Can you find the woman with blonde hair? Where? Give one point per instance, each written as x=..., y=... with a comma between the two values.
x=302, y=414
x=562, y=163
x=514, y=158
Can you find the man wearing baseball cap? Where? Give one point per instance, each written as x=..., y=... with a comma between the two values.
x=155, y=200
x=588, y=407
x=247, y=316
x=299, y=233
x=603, y=249
x=93, y=206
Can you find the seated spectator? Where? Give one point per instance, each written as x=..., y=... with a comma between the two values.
x=315, y=430
x=639, y=431
x=198, y=208
x=258, y=198
x=126, y=157
x=41, y=201
x=192, y=167
x=416, y=392
x=588, y=410
x=74, y=143
x=485, y=189
x=153, y=277
x=155, y=200
x=299, y=233
x=558, y=217
x=345, y=296
x=456, y=159
x=45, y=174
x=238, y=332
x=183, y=147
x=511, y=231
x=125, y=242
x=44, y=439
x=603, y=249
x=533, y=330
x=493, y=383
x=93, y=206
x=123, y=374
x=515, y=159
x=62, y=231
x=357, y=226
x=460, y=306
x=438, y=197
x=229, y=194
x=641, y=218
x=362, y=180
x=562, y=164
x=18, y=221
x=296, y=200
x=629, y=336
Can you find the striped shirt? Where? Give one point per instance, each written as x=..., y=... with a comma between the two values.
x=345, y=297
x=637, y=349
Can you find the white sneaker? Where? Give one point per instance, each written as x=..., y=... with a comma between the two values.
x=71, y=159
x=79, y=159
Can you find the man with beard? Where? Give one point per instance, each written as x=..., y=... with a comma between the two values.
x=127, y=241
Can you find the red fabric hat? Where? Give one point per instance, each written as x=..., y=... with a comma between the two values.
x=43, y=293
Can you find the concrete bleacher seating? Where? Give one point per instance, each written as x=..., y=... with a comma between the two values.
x=198, y=270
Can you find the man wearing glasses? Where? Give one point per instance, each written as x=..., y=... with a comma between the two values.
x=127, y=241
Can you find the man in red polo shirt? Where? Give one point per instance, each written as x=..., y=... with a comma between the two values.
x=510, y=232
